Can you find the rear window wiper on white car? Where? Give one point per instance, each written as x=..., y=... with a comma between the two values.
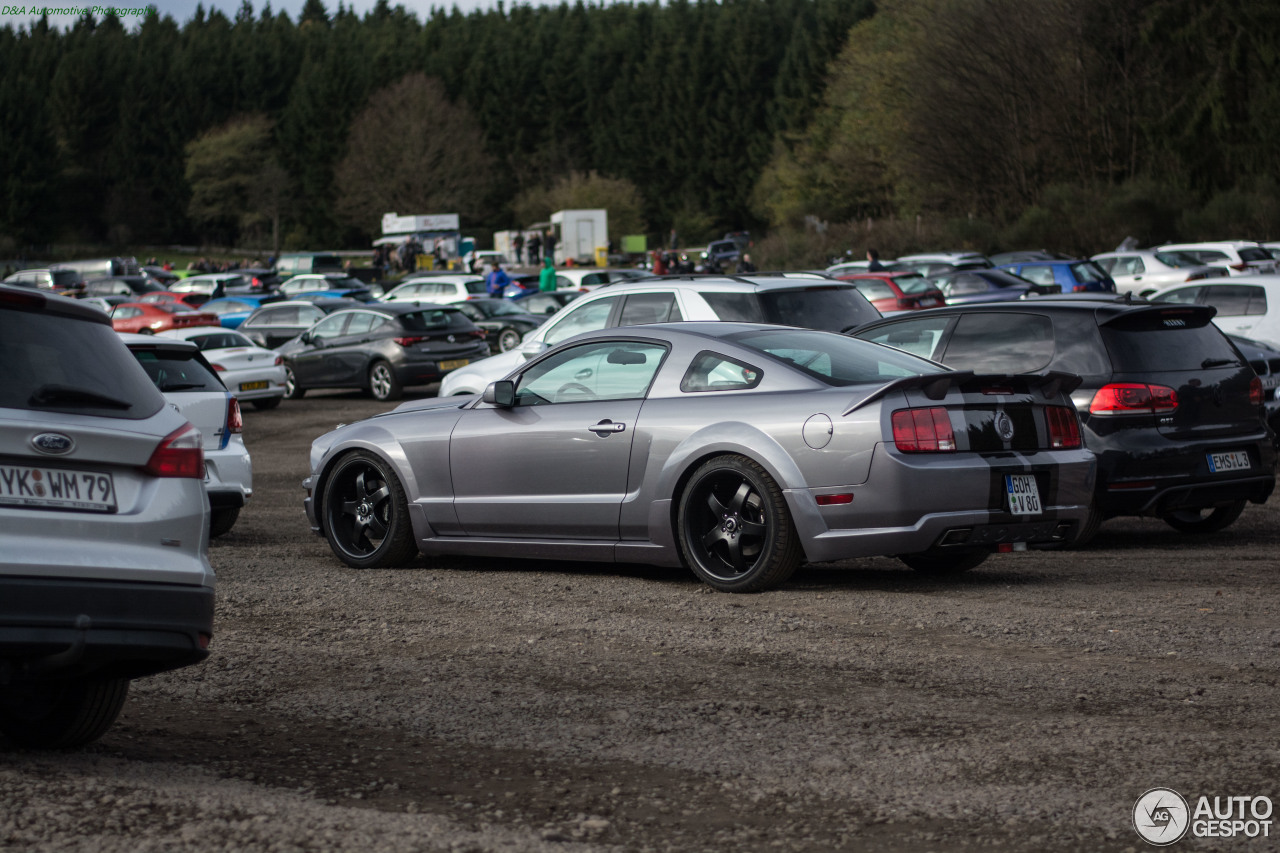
x=56, y=395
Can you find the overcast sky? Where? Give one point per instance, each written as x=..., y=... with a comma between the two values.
x=182, y=10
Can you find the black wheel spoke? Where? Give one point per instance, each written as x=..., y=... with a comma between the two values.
x=377, y=527
x=752, y=528
x=735, y=554
x=740, y=497
x=349, y=508
x=713, y=536
x=718, y=509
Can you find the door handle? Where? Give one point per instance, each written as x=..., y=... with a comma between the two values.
x=605, y=427
x=584, y=373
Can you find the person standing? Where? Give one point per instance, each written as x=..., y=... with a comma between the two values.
x=547, y=276
x=549, y=242
x=873, y=261
x=674, y=243
x=496, y=282
x=517, y=245
x=745, y=265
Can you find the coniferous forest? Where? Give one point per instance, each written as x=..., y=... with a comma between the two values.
x=994, y=121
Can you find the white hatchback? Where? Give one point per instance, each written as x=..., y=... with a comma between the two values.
x=1240, y=257
x=440, y=289
x=1248, y=306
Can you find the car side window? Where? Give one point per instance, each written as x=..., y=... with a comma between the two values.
x=581, y=317
x=360, y=323
x=643, y=308
x=918, y=337
x=330, y=327
x=711, y=371
x=1001, y=343
x=874, y=289
x=602, y=370
x=1039, y=274
x=1182, y=296
x=1235, y=300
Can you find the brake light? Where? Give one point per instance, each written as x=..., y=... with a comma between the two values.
x=279, y=360
x=235, y=421
x=218, y=367
x=1080, y=288
x=923, y=430
x=179, y=454
x=1064, y=429
x=409, y=341
x=1242, y=266
x=1133, y=398
x=1255, y=392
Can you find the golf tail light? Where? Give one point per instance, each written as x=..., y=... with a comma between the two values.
x=179, y=454
x=1255, y=391
x=1064, y=429
x=1133, y=398
x=923, y=430
x=235, y=421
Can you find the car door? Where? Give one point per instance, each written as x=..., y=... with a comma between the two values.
x=1240, y=306
x=309, y=363
x=555, y=464
x=348, y=356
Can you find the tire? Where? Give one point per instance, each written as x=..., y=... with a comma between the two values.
x=508, y=339
x=1209, y=519
x=292, y=390
x=61, y=714
x=265, y=403
x=365, y=513
x=734, y=528
x=1089, y=529
x=222, y=520
x=383, y=384
x=942, y=565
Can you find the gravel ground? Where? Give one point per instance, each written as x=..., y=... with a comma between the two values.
x=475, y=705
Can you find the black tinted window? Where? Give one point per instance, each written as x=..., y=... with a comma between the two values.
x=1166, y=340
x=221, y=340
x=642, y=308
x=1236, y=300
x=423, y=321
x=177, y=371
x=1001, y=343
x=834, y=359
x=735, y=307
x=823, y=307
x=55, y=364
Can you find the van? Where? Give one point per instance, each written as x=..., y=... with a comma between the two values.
x=300, y=263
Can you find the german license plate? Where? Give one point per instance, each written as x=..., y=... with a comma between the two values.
x=254, y=386
x=1220, y=463
x=1024, y=494
x=454, y=364
x=56, y=488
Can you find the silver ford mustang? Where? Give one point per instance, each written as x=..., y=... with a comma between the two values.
x=738, y=450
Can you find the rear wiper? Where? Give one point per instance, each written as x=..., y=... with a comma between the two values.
x=53, y=395
x=1217, y=362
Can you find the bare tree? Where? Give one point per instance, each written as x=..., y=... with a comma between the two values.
x=412, y=151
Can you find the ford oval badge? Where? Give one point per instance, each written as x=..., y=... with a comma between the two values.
x=54, y=443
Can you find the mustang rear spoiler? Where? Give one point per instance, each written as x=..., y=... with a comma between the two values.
x=936, y=385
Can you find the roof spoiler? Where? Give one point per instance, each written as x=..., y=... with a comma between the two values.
x=936, y=385
x=1200, y=314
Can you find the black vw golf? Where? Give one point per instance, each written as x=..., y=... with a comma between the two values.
x=381, y=348
x=1172, y=410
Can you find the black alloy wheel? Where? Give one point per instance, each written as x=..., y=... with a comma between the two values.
x=1209, y=519
x=365, y=513
x=735, y=529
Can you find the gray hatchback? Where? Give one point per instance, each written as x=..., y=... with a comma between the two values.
x=104, y=574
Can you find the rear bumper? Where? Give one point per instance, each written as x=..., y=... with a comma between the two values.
x=60, y=627
x=228, y=475
x=419, y=370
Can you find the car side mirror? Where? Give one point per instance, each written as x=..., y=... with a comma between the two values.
x=501, y=394
x=305, y=337
x=551, y=309
x=529, y=349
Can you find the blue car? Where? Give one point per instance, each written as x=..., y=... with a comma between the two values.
x=1071, y=276
x=234, y=310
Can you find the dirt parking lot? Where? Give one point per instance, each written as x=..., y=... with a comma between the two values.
x=476, y=705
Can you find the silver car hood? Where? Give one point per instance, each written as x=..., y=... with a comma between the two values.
x=429, y=404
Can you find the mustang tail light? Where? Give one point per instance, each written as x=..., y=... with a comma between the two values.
x=179, y=454
x=235, y=421
x=1064, y=429
x=1133, y=398
x=923, y=430
x=1255, y=392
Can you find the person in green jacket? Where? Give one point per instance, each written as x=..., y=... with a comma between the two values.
x=547, y=277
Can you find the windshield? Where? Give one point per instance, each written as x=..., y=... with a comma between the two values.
x=221, y=340
x=835, y=359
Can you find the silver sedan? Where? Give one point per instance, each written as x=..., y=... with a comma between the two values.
x=737, y=450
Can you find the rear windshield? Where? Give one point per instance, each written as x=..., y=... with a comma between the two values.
x=835, y=359
x=427, y=321
x=1088, y=271
x=1165, y=341
x=221, y=340
x=913, y=283
x=1251, y=254
x=56, y=364
x=476, y=286
x=177, y=371
x=832, y=308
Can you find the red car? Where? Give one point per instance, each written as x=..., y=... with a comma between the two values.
x=147, y=318
x=191, y=300
x=896, y=291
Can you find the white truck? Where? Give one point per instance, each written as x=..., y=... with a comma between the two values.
x=580, y=234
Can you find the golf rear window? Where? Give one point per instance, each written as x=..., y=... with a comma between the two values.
x=1155, y=342
x=57, y=364
x=1001, y=343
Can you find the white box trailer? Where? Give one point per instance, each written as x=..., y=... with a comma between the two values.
x=579, y=233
